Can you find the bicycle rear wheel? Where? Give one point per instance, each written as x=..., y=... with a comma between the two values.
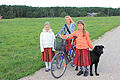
x=58, y=65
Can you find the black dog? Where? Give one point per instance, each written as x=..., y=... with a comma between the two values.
x=95, y=57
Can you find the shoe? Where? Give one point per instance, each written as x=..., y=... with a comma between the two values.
x=46, y=70
x=50, y=69
x=86, y=74
x=80, y=72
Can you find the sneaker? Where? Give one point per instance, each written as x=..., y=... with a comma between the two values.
x=86, y=74
x=80, y=72
x=46, y=70
x=51, y=69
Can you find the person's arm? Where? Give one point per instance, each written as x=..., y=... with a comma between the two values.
x=73, y=27
x=60, y=32
x=65, y=36
x=53, y=36
x=41, y=42
x=89, y=41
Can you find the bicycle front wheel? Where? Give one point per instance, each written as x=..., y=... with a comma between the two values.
x=58, y=65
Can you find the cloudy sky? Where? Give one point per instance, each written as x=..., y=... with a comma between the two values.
x=68, y=3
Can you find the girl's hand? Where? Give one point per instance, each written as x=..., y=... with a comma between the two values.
x=53, y=49
x=92, y=49
x=60, y=35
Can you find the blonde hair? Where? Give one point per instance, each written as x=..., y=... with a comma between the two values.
x=68, y=17
x=47, y=23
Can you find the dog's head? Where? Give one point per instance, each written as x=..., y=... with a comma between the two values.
x=98, y=49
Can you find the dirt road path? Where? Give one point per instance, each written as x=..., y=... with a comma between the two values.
x=109, y=66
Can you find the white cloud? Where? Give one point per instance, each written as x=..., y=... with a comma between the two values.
x=70, y=3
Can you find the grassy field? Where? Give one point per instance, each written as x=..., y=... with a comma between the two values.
x=19, y=42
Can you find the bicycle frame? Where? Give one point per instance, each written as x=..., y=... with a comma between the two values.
x=65, y=51
x=61, y=59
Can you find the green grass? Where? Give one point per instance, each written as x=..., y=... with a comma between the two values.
x=19, y=42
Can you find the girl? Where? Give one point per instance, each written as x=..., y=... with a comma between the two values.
x=68, y=28
x=83, y=42
x=47, y=45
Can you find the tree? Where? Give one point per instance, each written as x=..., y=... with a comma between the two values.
x=63, y=14
x=51, y=13
x=8, y=11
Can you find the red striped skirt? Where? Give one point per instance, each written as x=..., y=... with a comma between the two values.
x=47, y=55
x=68, y=45
x=82, y=57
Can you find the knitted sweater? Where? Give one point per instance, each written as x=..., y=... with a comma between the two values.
x=81, y=42
x=47, y=40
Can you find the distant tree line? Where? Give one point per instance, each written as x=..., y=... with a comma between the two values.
x=8, y=11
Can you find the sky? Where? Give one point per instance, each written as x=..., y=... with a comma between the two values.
x=64, y=3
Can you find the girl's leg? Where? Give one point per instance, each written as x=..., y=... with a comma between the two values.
x=46, y=64
x=76, y=68
x=86, y=71
x=81, y=68
x=81, y=71
x=49, y=65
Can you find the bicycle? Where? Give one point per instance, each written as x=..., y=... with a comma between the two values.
x=62, y=58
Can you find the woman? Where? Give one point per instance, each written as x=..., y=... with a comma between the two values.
x=47, y=45
x=68, y=28
x=83, y=43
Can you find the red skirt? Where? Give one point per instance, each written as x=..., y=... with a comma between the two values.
x=82, y=57
x=68, y=45
x=47, y=55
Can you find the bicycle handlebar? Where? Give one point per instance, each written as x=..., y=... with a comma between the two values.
x=68, y=37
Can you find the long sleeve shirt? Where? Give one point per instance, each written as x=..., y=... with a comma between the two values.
x=71, y=28
x=81, y=42
x=47, y=40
